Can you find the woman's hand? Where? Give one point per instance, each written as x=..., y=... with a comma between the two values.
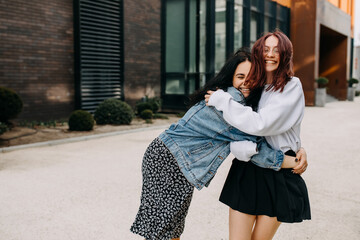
x=208, y=95
x=302, y=158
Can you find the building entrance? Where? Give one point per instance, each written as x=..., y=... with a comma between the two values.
x=333, y=61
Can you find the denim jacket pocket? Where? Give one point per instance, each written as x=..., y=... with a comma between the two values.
x=200, y=149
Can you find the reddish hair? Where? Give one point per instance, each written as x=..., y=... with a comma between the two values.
x=283, y=74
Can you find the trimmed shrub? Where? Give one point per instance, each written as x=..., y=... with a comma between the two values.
x=10, y=104
x=352, y=81
x=81, y=120
x=160, y=116
x=322, y=81
x=153, y=104
x=141, y=106
x=113, y=111
x=3, y=128
x=146, y=114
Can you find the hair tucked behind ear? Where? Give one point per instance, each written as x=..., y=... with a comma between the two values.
x=224, y=78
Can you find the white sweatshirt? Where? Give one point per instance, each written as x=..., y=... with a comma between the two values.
x=278, y=118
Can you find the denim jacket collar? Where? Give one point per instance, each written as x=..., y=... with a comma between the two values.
x=236, y=94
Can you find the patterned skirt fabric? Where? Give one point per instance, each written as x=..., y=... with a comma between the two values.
x=258, y=191
x=165, y=197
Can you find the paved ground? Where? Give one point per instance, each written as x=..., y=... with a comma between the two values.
x=90, y=189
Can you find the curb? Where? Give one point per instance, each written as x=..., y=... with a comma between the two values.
x=78, y=139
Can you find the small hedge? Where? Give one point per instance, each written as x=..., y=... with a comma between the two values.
x=10, y=104
x=3, y=128
x=113, y=111
x=141, y=106
x=322, y=82
x=154, y=104
x=352, y=81
x=81, y=120
x=160, y=116
x=146, y=114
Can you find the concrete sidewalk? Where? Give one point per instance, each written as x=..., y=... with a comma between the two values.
x=90, y=189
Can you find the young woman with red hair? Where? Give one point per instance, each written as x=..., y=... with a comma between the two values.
x=260, y=199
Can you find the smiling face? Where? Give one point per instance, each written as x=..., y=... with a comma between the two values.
x=271, y=54
x=239, y=77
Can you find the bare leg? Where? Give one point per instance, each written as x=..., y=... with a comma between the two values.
x=240, y=225
x=265, y=228
x=175, y=239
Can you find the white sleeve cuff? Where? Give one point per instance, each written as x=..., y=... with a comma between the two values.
x=219, y=99
x=243, y=150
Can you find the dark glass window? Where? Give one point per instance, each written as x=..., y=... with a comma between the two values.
x=238, y=24
x=220, y=34
x=254, y=22
x=282, y=19
x=175, y=36
x=175, y=46
x=199, y=35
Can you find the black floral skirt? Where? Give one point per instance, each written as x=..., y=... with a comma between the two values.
x=165, y=196
x=258, y=191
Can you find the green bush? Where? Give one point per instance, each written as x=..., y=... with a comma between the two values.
x=160, y=116
x=153, y=104
x=3, y=128
x=81, y=120
x=352, y=81
x=146, y=114
x=113, y=111
x=322, y=81
x=10, y=104
x=141, y=106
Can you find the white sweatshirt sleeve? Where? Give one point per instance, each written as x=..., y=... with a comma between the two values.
x=243, y=150
x=281, y=112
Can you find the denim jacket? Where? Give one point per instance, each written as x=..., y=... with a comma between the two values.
x=200, y=142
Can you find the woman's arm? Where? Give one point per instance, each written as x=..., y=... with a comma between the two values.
x=290, y=162
x=281, y=112
x=266, y=157
x=243, y=150
x=302, y=159
x=298, y=163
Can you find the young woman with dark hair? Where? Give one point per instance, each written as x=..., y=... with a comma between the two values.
x=188, y=154
x=260, y=199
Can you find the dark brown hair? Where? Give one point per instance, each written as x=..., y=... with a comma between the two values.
x=283, y=74
x=224, y=78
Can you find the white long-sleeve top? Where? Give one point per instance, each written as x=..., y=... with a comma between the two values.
x=278, y=118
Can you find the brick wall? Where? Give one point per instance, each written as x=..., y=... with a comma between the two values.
x=142, y=49
x=36, y=56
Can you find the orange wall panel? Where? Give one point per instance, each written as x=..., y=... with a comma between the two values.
x=286, y=3
x=335, y=2
x=304, y=47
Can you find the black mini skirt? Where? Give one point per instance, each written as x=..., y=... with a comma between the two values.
x=259, y=191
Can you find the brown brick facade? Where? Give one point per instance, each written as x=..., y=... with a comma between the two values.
x=36, y=56
x=142, y=49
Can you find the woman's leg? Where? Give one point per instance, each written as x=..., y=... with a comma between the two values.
x=265, y=228
x=240, y=225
